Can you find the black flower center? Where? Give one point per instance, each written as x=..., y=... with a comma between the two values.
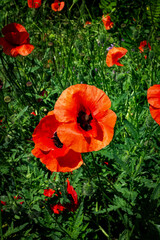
x=84, y=120
x=57, y=141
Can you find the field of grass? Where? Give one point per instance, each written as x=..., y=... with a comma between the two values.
x=115, y=193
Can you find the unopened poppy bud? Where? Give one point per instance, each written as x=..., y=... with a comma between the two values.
x=88, y=189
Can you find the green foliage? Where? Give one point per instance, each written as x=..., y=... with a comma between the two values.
x=153, y=11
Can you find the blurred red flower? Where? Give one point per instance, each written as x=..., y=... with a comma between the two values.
x=34, y=3
x=106, y=163
x=107, y=22
x=33, y=113
x=18, y=197
x=73, y=197
x=87, y=23
x=87, y=122
x=57, y=208
x=3, y=203
x=153, y=97
x=48, y=192
x=114, y=55
x=57, y=6
x=51, y=151
x=142, y=46
x=16, y=40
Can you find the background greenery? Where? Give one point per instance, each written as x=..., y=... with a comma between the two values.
x=120, y=199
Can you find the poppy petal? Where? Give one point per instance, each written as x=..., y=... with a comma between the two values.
x=44, y=132
x=73, y=98
x=70, y=190
x=114, y=55
x=34, y=3
x=107, y=22
x=57, y=6
x=23, y=50
x=48, y=192
x=72, y=195
x=153, y=95
x=155, y=113
x=7, y=48
x=57, y=208
x=74, y=139
x=43, y=136
x=17, y=38
x=13, y=27
x=67, y=163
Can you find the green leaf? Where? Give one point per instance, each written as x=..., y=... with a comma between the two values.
x=21, y=113
x=131, y=129
x=156, y=193
x=11, y=230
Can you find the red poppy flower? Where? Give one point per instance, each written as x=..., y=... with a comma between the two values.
x=16, y=40
x=34, y=3
x=107, y=22
x=51, y=151
x=72, y=195
x=153, y=96
x=18, y=197
x=48, y=192
x=142, y=46
x=57, y=6
x=87, y=122
x=114, y=55
x=57, y=208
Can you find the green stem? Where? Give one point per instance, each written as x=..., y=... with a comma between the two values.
x=1, y=233
x=104, y=202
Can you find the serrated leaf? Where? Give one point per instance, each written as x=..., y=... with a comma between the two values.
x=12, y=230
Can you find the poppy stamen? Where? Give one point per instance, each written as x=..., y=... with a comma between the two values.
x=57, y=141
x=84, y=120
